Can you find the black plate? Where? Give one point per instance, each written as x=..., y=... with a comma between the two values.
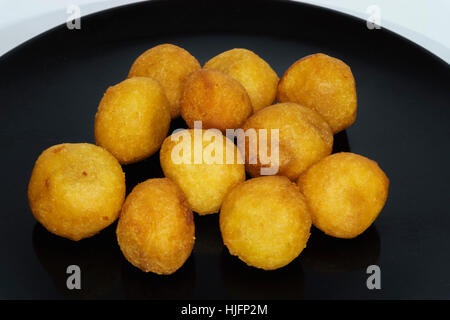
x=49, y=92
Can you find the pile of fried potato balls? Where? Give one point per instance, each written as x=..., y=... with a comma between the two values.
x=78, y=189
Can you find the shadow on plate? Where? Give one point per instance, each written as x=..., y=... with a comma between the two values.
x=136, y=173
x=326, y=254
x=340, y=142
x=244, y=282
x=138, y=285
x=207, y=232
x=99, y=259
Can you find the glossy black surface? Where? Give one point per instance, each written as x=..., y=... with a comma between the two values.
x=49, y=91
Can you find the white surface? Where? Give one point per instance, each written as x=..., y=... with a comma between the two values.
x=425, y=22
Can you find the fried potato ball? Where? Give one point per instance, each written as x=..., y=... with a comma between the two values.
x=133, y=119
x=265, y=222
x=304, y=138
x=325, y=84
x=156, y=229
x=255, y=74
x=345, y=193
x=169, y=65
x=76, y=190
x=216, y=99
x=197, y=162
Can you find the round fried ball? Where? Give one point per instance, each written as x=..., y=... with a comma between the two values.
x=255, y=74
x=156, y=229
x=169, y=65
x=200, y=169
x=304, y=138
x=133, y=119
x=265, y=222
x=216, y=99
x=345, y=193
x=76, y=190
x=325, y=84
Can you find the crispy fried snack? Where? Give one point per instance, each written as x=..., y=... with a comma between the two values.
x=345, y=193
x=76, y=190
x=156, y=229
x=322, y=83
x=216, y=99
x=203, y=172
x=265, y=222
x=255, y=74
x=304, y=138
x=133, y=119
x=169, y=65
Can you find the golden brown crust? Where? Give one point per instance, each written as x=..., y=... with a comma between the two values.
x=325, y=84
x=156, y=229
x=255, y=74
x=216, y=99
x=169, y=65
x=345, y=193
x=133, y=119
x=304, y=138
x=265, y=222
x=76, y=190
x=204, y=184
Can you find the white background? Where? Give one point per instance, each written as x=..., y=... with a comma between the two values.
x=426, y=22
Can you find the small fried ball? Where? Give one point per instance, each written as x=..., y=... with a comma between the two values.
x=304, y=138
x=255, y=74
x=345, y=193
x=76, y=190
x=325, y=84
x=265, y=222
x=156, y=229
x=133, y=119
x=216, y=99
x=169, y=65
x=196, y=160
